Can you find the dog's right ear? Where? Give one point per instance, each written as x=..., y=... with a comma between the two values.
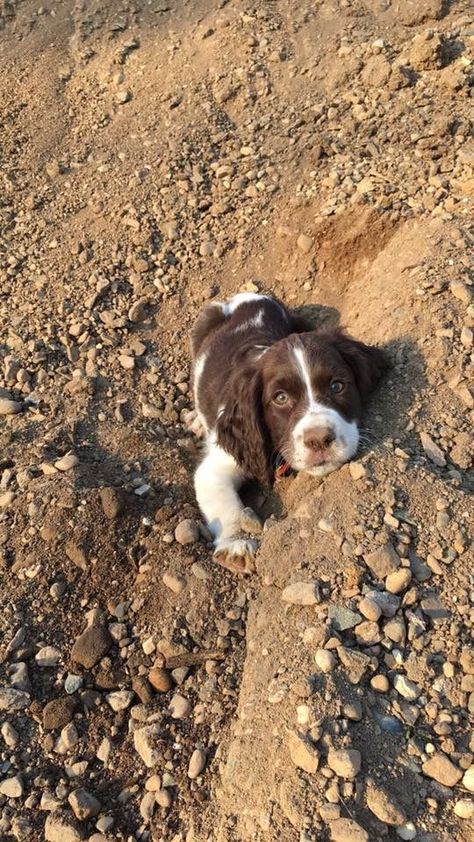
x=241, y=429
x=210, y=318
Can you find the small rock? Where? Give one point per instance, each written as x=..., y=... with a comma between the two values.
x=365, y=185
x=48, y=656
x=303, y=753
x=77, y=554
x=370, y=609
x=468, y=779
x=380, y=683
x=388, y=603
x=395, y=630
x=440, y=768
x=406, y=831
x=347, y=830
x=357, y=470
x=9, y=734
x=61, y=827
x=464, y=808
x=83, y=804
x=57, y=713
x=356, y=663
x=384, y=806
x=120, y=699
x=179, y=707
x=408, y=689
x=301, y=593
x=186, y=532
x=67, y=462
x=160, y=680
x=433, y=452
x=12, y=787
x=325, y=660
x=197, y=763
x=145, y=742
x=345, y=762
x=8, y=407
x=91, y=646
x=343, y=618
x=174, y=582
x=147, y=806
x=383, y=561
x=11, y=699
x=304, y=243
x=367, y=633
x=113, y=502
x=467, y=337
x=461, y=291
x=398, y=581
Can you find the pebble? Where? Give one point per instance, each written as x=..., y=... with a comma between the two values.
x=388, y=603
x=174, y=582
x=440, y=768
x=464, y=808
x=303, y=753
x=197, y=763
x=147, y=806
x=395, y=630
x=343, y=618
x=406, y=831
x=146, y=745
x=468, y=779
x=353, y=711
x=60, y=827
x=301, y=593
x=186, y=532
x=67, y=462
x=9, y=407
x=153, y=783
x=398, y=581
x=433, y=452
x=304, y=243
x=91, y=646
x=48, y=656
x=347, y=830
x=9, y=734
x=383, y=561
x=367, y=633
x=57, y=713
x=120, y=699
x=408, y=689
x=325, y=660
x=370, y=609
x=380, y=683
x=179, y=707
x=12, y=787
x=113, y=502
x=11, y=699
x=384, y=806
x=357, y=470
x=461, y=291
x=83, y=804
x=73, y=683
x=345, y=762
x=160, y=680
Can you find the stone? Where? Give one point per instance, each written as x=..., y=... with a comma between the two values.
x=407, y=831
x=153, y=783
x=384, y=806
x=48, y=656
x=464, y=808
x=408, y=689
x=303, y=753
x=113, y=502
x=433, y=608
x=9, y=407
x=461, y=291
x=433, y=452
x=468, y=779
x=179, y=707
x=12, y=699
x=357, y=470
x=304, y=243
x=61, y=827
x=145, y=742
x=382, y=561
x=91, y=646
x=57, y=713
x=395, y=630
x=440, y=768
x=365, y=185
x=187, y=532
x=356, y=663
x=343, y=618
x=12, y=787
x=388, y=603
x=370, y=609
x=67, y=462
x=10, y=734
x=120, y=699
x=197, y=763
x=325, y=660
x=345, y=762
x=367, y=633
x=160, y=679
x=83, y=804
x=380, y=683
x=147, y=806
x=398, y=581
x=347, y=830
x=301, y=593
x=174, y=582
x=77, y=554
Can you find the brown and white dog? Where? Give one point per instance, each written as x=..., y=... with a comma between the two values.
x=267, y=387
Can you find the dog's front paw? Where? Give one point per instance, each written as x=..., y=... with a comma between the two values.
x=236, y=555
x=194, y=423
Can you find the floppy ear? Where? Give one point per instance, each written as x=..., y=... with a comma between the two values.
x=241, y=429
x=367, y=362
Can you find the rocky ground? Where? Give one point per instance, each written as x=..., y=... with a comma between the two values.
x=153, y=156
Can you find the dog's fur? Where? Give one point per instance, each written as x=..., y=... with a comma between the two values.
x=266, y=387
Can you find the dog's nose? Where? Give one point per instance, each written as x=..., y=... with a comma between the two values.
x=318, y=438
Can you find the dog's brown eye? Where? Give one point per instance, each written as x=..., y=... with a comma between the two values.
x=281, y=398
x=336, y=387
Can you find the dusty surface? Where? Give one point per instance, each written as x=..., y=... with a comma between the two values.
x=153, y=156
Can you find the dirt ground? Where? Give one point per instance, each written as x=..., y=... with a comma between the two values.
x=153, y=156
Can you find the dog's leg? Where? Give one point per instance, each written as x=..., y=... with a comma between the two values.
x=216, y=481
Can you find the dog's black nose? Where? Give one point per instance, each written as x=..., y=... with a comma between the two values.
x=318, y=438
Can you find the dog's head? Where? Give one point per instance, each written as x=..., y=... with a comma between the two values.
x=303, y=398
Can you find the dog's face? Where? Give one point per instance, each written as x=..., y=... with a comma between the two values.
x=304, y=399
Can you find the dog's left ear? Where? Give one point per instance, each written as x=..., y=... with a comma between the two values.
x=241, y=429
x=367, y=362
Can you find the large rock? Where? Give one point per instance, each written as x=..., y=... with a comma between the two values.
x=384, y=806
x=440, y=768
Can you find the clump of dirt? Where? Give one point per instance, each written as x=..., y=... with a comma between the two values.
x=153, y=157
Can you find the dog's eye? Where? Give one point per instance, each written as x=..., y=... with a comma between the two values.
x=281, y=398
x=337, y=387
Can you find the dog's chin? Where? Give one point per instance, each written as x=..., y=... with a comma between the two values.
x=323, y=469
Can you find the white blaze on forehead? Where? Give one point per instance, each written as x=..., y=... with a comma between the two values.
x=304, y=371
x=241, y=298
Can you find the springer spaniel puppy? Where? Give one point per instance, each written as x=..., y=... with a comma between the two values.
x=270, y=390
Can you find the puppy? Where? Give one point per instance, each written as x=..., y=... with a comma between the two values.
x=270, y=391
